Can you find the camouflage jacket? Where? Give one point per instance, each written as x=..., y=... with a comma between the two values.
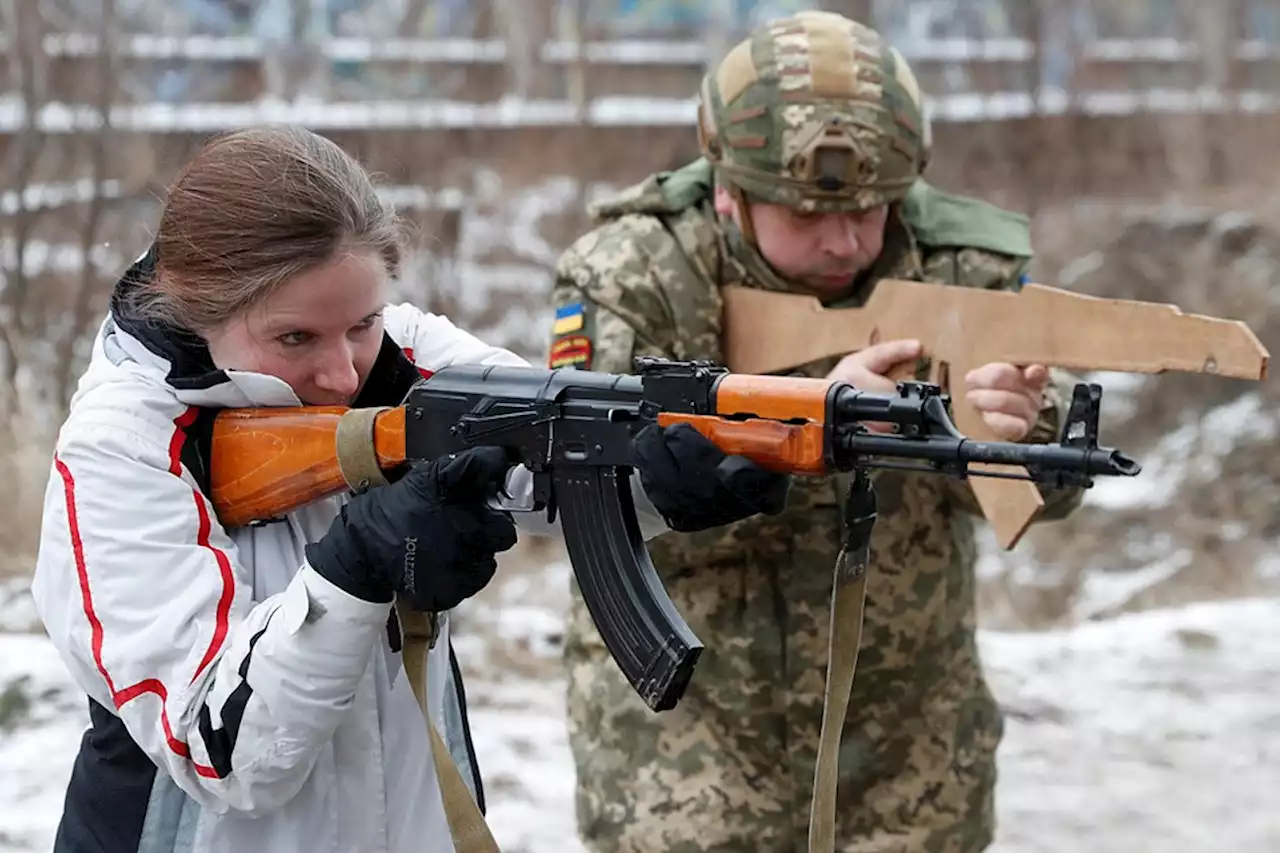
x=646, y=282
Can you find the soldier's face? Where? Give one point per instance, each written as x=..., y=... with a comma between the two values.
x=821, y=250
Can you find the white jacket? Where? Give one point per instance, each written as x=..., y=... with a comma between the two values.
x=272, y=703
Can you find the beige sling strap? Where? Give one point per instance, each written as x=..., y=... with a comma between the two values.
x=358, y=461
x=848, y=600
x=356, y=451
x=470, y=832
x=466, y=824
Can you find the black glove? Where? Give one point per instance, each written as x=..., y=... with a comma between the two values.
x=695, y=485
x=428, y=536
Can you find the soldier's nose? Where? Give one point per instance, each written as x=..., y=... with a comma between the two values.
x=839, y=236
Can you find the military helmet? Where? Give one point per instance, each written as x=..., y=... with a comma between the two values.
x=816, y=112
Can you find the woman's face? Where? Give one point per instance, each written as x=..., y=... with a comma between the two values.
x=320, y=331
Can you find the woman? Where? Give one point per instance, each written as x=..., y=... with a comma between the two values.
x=246, y=688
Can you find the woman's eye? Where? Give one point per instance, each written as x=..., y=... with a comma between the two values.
x=293, y=339
x=366, y=325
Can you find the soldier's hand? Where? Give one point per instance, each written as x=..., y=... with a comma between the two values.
x=869, y=369
x=1008, y=396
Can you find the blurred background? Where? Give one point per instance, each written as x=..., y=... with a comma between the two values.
x=1136, y=646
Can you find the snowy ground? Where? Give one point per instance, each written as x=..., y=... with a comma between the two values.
x=1156, y=731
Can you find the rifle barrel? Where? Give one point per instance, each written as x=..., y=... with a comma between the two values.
x=960, y=453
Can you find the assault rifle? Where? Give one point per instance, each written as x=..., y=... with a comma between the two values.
x=573, y=430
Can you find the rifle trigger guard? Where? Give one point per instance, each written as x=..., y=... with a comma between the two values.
x=357, y=456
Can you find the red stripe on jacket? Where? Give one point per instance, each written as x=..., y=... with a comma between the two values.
x=408, y=353
x=154, y=686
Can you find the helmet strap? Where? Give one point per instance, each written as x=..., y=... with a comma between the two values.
x=744, y=215
x=746, y=247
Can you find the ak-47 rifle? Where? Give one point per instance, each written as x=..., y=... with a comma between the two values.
x=961, y=328
x=573, y=430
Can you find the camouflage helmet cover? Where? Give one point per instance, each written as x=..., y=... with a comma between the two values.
x=816, y=112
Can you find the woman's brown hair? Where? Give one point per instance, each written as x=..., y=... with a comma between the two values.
x=251, y=210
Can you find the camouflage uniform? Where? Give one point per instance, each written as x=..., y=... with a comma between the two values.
x=731, y=768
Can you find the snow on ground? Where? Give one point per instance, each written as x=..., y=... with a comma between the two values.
x=41, y=720
x=1155, y=731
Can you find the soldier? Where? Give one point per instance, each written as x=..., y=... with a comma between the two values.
x=813, y=141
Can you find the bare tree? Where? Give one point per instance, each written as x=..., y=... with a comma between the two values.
x=62, y=166
x=295, y=62
x=410, y=24
x=66, y=171
x=525, y=26
x=27, y=71
x=100, y=144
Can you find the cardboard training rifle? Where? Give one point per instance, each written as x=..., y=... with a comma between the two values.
x=961, y=328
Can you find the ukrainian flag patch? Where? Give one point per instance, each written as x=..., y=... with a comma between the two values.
x=569, y=318
x=573, y=351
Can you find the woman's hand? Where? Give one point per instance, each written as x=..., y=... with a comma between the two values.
x=429, y=536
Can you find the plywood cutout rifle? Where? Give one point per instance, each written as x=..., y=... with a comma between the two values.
x=961, y=328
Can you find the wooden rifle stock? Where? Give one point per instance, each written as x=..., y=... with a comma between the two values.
x=267, y=462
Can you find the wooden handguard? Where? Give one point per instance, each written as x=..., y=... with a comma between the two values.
x=794, y=443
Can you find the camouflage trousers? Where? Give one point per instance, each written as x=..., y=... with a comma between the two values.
x=731, y=767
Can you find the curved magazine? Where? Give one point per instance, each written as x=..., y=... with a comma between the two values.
x=648, y=639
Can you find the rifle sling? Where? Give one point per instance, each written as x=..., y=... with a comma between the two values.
x=848, y=601
x=470, y=832
x=358, y=461
x=466, y=824
x=357, y=457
